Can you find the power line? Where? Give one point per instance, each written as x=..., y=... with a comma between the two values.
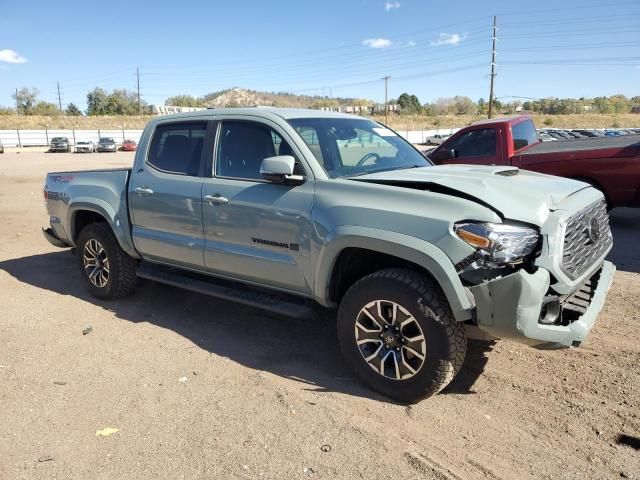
x=564, y=9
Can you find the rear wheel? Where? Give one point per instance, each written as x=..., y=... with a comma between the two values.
x=396, y=330
x=108, y=271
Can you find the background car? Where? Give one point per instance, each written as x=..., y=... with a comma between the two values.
x=545, y=137
x=589, y=133
x=60, y=144
x=437, y=139
x=85, y=147
x=129, y=146
x=1, y=147
x=106, y=144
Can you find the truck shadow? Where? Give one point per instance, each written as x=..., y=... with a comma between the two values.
x=625, y=225
x=304, y=351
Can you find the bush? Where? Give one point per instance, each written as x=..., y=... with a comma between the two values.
x=548, y=122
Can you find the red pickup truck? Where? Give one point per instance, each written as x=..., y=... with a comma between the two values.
x=611, y=164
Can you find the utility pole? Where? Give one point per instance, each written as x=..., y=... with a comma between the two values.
x=493, y=67
x=59, y=97
x=138, y=77
x=386, y=112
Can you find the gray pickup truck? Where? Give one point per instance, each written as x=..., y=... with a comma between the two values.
x=287, y=210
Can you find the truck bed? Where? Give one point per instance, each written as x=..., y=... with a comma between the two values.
x=622, y=146
x=101, y=191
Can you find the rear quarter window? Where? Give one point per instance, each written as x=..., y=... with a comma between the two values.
x=524, y=134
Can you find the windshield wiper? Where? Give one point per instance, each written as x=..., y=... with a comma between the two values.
x=378, y=170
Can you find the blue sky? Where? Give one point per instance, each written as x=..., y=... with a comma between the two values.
x=431, y=48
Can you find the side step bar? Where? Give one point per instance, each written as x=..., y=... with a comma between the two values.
x=274, y=302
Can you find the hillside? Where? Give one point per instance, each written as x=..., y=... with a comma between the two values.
x=240, y=97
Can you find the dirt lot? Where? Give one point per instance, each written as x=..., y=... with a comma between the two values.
x=200, y=388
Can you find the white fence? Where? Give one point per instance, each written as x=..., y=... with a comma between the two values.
x=36, y=138
x=42, y=138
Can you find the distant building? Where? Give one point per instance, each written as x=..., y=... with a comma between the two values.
x=170, y=109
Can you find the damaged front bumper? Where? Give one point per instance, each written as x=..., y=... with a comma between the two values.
x=516, y=307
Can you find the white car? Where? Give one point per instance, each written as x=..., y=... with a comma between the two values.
x=437, y=139
x=85, y=147
x=545, y=137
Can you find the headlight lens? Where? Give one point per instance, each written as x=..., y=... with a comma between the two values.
x=498, y=244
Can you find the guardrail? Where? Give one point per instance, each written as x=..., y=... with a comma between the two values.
x=42, y=138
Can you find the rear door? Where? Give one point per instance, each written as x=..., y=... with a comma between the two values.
x=255, y=230
x=480, y=146
x=165, y=196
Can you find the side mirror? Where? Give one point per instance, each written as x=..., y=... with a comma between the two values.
x=279, y=169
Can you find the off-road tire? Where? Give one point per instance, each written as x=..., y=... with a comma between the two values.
x=445, y=338
x=122, y=268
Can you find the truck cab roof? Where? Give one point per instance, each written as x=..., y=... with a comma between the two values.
x=513, y=120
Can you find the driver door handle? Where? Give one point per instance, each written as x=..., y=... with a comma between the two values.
x=216, y=199
x=143, y=191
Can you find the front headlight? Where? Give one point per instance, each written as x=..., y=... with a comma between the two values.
x=498, y=244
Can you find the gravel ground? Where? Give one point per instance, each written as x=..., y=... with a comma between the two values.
x=200, y=388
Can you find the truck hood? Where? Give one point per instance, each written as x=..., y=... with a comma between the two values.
x=514, y=194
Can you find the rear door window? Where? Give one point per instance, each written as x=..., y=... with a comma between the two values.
x=177, y=148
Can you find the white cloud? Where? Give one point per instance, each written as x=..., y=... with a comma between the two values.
x=391, y=5
x=411, y=43
x=449, y=39
x=10, y=56
x=377, y=42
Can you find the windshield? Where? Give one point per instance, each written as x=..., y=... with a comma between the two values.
x=355, y=146
x=106, y=140
x=58, y=139
x=83, y=143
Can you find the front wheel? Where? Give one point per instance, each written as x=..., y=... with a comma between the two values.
x=108, y=271
x=397, y=331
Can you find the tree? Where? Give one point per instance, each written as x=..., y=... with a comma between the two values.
x=25, y=99
x=73, y=110
x=122, y=102
x=45, y=108
x=443, y=105
x=97, y=100
x=409, y=103
x=430, y=109
x=118, y=102
x=483, y=106
x=184, y=101
x=464, y=106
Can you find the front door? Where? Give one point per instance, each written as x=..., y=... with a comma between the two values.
x=475, y=147
x=255, y=230
x=165, y=196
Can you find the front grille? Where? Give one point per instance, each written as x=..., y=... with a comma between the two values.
x=587, y=238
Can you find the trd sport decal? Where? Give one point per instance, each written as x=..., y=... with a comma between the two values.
x=291, y=246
